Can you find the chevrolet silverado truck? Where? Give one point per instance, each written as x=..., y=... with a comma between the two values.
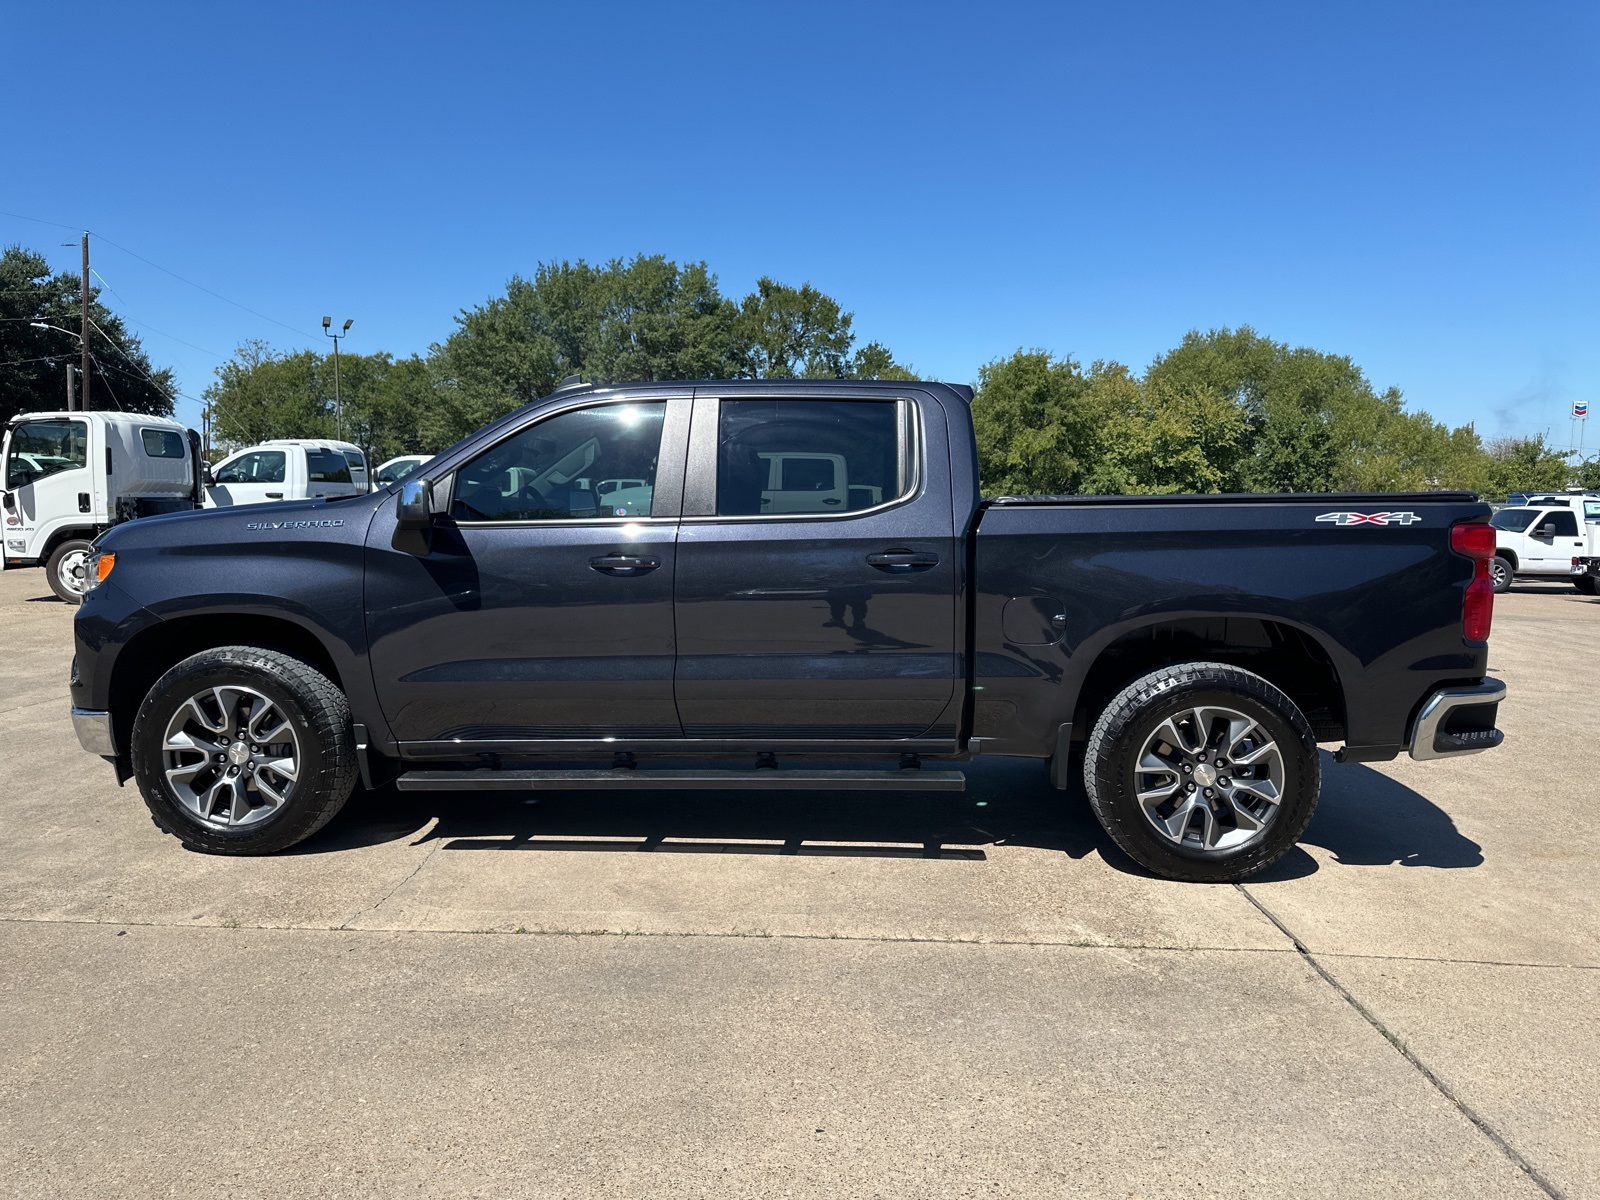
x=780, y=584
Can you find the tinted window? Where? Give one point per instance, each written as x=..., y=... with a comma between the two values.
x=807, y=456
x=43, y=448
x=259, y=466
x=1514, y=519
x=327, y=466
x=163, y=443
x=590, y=462
x=1591, y=510
x=355, y=459
x=1565, y=521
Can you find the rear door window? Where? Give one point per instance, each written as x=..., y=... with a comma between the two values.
x=809, y=457
x=327, y=466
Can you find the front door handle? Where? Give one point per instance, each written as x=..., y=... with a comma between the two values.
x=901, y=561
x=625, y=564
x=274, y=495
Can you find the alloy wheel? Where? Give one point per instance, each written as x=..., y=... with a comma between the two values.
x=1210, y=778
x=231, y=756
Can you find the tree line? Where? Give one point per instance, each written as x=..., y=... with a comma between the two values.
x=1224, y=410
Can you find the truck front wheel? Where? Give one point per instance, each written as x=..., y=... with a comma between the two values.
x=240, y=750
x=1202, y=771
x=66, y=569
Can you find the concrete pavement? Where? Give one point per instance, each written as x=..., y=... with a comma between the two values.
x=716, y=994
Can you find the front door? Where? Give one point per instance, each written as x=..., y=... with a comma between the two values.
x=817, y=569
x=544, y=608
x=48, y=482
x=254, y=477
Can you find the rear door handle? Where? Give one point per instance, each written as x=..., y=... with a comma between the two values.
x=625, y=564
x=901, y=561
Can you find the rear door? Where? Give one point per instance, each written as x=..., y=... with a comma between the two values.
x=817, y=569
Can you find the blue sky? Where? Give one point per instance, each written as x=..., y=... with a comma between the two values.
x=1412, y=185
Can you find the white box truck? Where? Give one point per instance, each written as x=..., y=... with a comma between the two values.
x=70, y=476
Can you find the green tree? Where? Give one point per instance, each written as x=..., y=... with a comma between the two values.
x=787, y=332
x=1526, y=464
x=33, y=361
x=1034, y=426
x=873, y=361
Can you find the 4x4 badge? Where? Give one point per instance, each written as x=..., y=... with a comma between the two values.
x=1383, y=518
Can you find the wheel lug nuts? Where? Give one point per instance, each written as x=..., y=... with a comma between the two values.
x=1206, y=793
x=1186, y=767
x=1224, y=782
x=1188, y=787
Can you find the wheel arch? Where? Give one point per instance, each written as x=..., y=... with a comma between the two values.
x=154, y=650
x=1292, y=658
x=1509, y=555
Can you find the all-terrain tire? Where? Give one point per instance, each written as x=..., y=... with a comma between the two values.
x=70, y=559
x=1133, y=716
x=312, y=703
x=1587, y=584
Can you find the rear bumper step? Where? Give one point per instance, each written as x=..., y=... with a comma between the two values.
x=1458, y=720
x=623, y=779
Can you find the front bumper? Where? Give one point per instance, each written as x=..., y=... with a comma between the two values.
x=94, y=732
x=1458, y=720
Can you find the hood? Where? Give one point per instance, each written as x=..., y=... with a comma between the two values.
x=243, y=523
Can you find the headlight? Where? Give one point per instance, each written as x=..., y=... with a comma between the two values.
x=97, y=568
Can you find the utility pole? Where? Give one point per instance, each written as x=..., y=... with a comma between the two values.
x=72, y=393
x=84, y=339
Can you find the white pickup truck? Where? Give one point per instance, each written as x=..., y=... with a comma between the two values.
x=69, y=476
x=1550, y=537
x=281, y=470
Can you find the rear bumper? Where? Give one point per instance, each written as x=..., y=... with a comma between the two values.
x=94, y=732
x=1458, y=720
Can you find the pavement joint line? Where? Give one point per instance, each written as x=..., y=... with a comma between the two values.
x=1422, y=1068
x=889, y=939
x=385, y=898
x=1465, y=962
x=15, y=708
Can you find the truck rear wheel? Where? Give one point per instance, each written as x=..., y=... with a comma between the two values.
x=67, y=569
x=1202, y=771
x=1587, y=584
x=239, y=750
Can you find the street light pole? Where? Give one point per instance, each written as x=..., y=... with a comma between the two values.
x=338, y=406
x=72, y=405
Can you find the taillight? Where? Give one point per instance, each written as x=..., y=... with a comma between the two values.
x=1476, y=540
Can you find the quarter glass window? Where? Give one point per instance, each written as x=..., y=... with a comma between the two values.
x=589, y=462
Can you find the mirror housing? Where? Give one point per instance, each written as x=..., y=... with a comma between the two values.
x=413, y=510
x=1548, y=531
x=413, y=518
x=206, y=476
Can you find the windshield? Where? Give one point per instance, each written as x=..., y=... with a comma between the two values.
x=1514, y=519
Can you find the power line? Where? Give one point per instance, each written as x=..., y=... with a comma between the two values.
x=104, y=378
x=165, y=271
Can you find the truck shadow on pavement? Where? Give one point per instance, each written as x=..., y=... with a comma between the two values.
x=1365, y=819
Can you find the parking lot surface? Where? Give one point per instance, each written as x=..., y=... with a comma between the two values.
x=768, y=995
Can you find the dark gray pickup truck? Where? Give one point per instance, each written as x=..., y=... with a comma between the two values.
x=720, y=585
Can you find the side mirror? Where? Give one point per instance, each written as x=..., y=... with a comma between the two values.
x=1547, y=531
x=205, y=474
x=414, y=506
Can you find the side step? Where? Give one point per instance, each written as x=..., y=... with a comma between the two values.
x=640, y=779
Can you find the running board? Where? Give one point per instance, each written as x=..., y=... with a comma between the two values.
x=639, y=779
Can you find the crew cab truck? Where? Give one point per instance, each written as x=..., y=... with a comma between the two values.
x=69, y=476
x=281, y=470
x=492, y=622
